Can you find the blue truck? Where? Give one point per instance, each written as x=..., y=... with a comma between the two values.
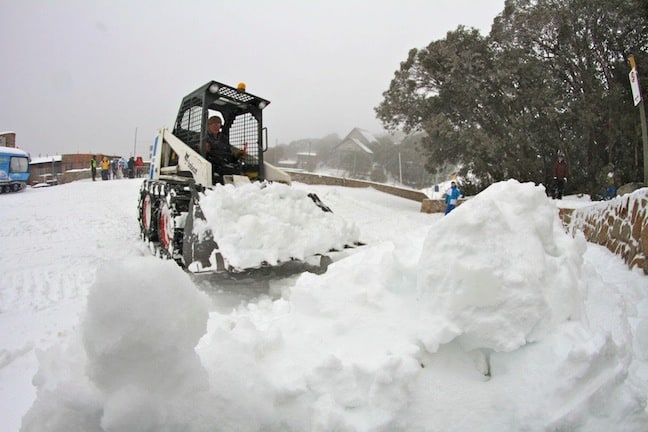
x=14, y=169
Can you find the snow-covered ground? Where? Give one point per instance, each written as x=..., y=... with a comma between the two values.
x=489, y=319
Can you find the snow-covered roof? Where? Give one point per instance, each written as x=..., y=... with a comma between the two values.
x=360, y=138
x=13, y=151
x=361, y=145
x=45, y=159
x=367, y=135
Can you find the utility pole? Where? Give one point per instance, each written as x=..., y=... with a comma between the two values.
x=638, y=100
x=135, y=145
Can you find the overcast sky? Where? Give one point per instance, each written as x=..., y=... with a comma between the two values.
x=95, y=76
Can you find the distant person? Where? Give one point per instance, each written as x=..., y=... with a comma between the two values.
x=113, y=168
x=105, y=169
x=121, y=167
x=452, y=197
x=560, y=173
x=93, y=168
x=610, y=192
x=139, y=166
x=223, y=157
x=131, y=167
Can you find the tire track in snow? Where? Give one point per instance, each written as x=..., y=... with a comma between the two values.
x=27, y=280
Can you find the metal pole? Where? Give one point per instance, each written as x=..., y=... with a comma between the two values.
x=400, y=169
x=642, y=114
x=644, y=135
x=135, y=145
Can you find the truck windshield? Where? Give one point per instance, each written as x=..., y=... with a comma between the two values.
x=19, y=164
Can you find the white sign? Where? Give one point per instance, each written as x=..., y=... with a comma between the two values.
x=634, y=84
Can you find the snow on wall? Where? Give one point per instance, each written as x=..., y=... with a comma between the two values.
x=620, y=224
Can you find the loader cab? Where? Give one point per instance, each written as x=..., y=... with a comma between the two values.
x=242, y=125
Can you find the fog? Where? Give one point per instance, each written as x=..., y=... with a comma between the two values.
x=103, y=76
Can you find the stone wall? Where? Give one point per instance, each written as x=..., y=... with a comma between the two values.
x=436, y=205
x=79, y=174
x=310, y=178
x=620, y=224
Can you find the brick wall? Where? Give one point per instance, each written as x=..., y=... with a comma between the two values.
x=621, y=225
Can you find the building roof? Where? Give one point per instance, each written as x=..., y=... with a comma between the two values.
x=360, y=139
x=45, y=159
x=362, y=146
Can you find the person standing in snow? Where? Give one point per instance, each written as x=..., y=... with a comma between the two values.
x=121, y=166
x=93, y=168
x=113, y=168
x=105, y=169
x=131, y=167
x=139, y=166
x=560, y=173
x=452, y=197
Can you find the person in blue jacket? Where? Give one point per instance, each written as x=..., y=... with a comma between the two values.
x=451, y=197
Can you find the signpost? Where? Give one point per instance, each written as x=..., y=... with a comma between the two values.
x=638, y=100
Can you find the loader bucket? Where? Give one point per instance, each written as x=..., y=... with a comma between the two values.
x=199, y=250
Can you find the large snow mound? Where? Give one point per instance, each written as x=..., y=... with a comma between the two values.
x=501, y=270
x=271, y=223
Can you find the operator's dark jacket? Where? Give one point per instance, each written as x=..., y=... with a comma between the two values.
x=220, y=152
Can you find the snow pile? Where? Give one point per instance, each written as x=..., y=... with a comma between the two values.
x=271, y=223
x=491, y=288
x=134, y=367
x=482, y=326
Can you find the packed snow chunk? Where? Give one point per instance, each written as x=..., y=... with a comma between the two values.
x=66, y=399
x=271, y=223
x=500, y=271
x=334, y=353
x=142, y=322
x=140, y=370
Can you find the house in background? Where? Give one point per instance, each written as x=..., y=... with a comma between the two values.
x=306, y=161
x=354, y=154
x=8, y=139
x=47, y=169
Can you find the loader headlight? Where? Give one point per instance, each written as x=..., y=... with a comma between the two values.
x=262, y=104
x=214, y=88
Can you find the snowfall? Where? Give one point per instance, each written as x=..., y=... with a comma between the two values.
x=491, y=318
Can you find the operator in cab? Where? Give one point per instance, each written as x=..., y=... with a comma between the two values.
x=223, y=157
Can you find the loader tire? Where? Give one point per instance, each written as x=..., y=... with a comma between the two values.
x=165, y=228
x=147, y=210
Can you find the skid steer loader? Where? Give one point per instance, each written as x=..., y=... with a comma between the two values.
x=182, y=180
